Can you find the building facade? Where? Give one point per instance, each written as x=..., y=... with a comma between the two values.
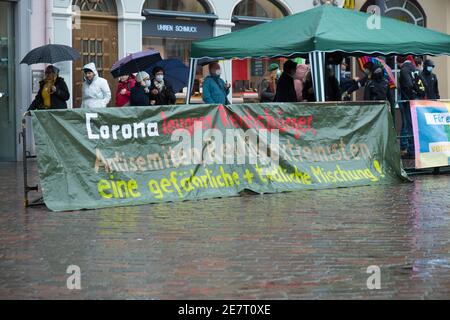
x=106, y=30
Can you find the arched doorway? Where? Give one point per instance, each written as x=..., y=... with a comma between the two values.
x=96, y=40
x=248, y=73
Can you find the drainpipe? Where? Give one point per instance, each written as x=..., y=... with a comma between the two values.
x=48, y=21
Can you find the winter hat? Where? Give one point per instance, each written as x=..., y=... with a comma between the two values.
x=378, y=73
x=273, y=66
x=142, y=75
x=428, y=63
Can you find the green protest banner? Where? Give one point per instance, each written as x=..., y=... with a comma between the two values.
x=101, y=158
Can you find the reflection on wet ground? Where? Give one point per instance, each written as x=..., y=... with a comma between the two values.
x=315, y=244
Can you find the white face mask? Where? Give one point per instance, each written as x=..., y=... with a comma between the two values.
x=278, y=73
x=148, y=83
x=218, y=72
x=159, y=78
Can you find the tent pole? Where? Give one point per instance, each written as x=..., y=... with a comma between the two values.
x=192, y=71
x=317, y=59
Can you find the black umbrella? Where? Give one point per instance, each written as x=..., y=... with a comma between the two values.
x=51, y=53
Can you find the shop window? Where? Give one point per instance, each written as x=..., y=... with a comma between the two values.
x=177, y=5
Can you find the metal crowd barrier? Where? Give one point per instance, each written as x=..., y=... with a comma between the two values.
x=25, y=157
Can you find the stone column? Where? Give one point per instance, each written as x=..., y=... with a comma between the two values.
x=62, y=34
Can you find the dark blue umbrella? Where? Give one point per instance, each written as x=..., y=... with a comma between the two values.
x=175, y=72
x=135, y=62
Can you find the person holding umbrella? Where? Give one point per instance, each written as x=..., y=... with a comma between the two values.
x=53, y=92
x=123, y=92
x=95, y=91
x=161, y=92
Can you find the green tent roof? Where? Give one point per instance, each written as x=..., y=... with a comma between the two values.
x=325, y=28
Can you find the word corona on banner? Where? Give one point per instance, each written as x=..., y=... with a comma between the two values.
x=127, y=131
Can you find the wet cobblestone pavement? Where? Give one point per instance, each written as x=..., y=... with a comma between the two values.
x=304, y=245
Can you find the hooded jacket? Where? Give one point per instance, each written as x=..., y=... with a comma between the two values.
x=97, y=94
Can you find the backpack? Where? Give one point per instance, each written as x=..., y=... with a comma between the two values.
x=419, y=86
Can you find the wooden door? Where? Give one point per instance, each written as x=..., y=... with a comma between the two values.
x=97, y=41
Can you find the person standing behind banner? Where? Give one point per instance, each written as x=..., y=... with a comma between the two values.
x=301, y=71
x=268, y=86
x=215, y=90
x=123, y=92
x=161, y=92
x=408, y=92
x=53, y=92
x=430, y=81
x=95, y=91
x=140, y=93
x=377, y=88
x=286, y=87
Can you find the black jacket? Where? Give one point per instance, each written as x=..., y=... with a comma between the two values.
x=165, y=97
x=58, y=98
x=139, y=97
x=332, y=89
x=431, y=85
x=407, y=81
x=308, y=91
x=378, y=89
x=285, y=89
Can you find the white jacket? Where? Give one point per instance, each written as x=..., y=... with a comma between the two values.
x=97, y=94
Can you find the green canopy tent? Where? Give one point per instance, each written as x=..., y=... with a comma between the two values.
x=324, y=29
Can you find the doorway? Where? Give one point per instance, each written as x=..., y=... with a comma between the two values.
x=97, y=42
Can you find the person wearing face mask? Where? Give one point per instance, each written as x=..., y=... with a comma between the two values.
x=268, y=85
x=215, y=90
x=95, y=91
x=161, y=92
x=140, y=93
x=286, y=87
x=430, y=81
